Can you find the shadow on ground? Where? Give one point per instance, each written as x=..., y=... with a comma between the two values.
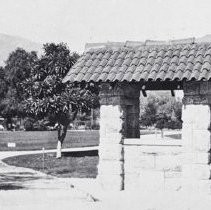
x=90, y=153
x=16, y=180
x=10, y=187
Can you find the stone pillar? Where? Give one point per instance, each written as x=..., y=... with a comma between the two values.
x=196, y=118
x=119, y=119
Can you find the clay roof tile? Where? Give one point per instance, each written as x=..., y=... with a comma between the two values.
x=161, y=62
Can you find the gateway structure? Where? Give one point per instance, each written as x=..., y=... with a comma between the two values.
x=126, y=69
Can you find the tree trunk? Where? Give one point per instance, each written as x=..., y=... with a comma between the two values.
x=59, y=149
x=62, y=131
x=162, y=134
x=9, y=123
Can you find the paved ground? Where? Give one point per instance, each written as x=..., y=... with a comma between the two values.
x=23, y=189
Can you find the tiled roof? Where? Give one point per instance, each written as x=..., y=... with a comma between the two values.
x=147, y=63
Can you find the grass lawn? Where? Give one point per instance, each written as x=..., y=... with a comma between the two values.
x=78, y=165
x=177, y=136
x=72, y=164
x=36, y=140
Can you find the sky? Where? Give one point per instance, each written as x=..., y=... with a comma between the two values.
x=77, y=22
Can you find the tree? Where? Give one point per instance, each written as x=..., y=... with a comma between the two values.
x=162, y=111
x=162, y=121
x=148, y=117
x=17, y=69
x=3, y=85
x=47, y=96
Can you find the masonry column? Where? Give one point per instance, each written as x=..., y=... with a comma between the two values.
x=196, y=118
x=119, y=119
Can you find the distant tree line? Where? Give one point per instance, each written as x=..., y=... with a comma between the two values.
x=31, y=87
x=161, y=111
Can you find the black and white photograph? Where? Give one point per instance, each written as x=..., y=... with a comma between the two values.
x=105, y=104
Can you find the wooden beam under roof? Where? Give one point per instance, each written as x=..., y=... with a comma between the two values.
x=167, y=85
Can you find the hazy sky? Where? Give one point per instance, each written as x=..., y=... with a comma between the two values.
x=79, y=21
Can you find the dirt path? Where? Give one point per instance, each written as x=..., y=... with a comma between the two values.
x=23, y=188
x=12, y=177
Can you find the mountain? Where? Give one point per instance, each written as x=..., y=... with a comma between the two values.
x=206, y=38
x=9, y=43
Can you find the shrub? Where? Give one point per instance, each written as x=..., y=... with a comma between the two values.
x=33, y=125
x=174, y=124
x=95, y=127
x=28, y=124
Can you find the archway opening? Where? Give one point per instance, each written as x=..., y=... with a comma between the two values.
x=161, y=114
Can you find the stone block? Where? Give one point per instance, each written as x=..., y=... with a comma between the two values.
x=109, y=128
x=192, y=88
x=187, y=136
x=133, y=132
x=172, y=174
x=151, y=180
x=201, y=171
x=131, y=169
x=139, y=162
x=196, y=171
x=110, y=137
x=173, y=184
x=115, y=140
x=209, y=87
x=202, y=124
x=132, y=155
x=188, y=158
x=187, y=171
x=110, y=121
x=196, y=157
x=202, y=158
x=110, y=99
x=195, y=99
x=111, y=152
x=197, y=186
x=201, y=140
x=189, y=184
x=138, y=167
x=131, y=152
x=111, y=182
x=131, y=90
x=204, y=88
x=198, y=115
x=187, y=129
x=132, y=181
x=204, y=186
x=167, y=162
x=106, y=167
x=106, y=111
x=132, y=120
x=134, y=109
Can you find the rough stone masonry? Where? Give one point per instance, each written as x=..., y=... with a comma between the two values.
x=130, y=167
x=122, y=71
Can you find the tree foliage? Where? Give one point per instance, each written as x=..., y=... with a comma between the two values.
x=148, y=117
x=46, y=95
x=17, y=69
x=3, y=85
x=162, y=111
